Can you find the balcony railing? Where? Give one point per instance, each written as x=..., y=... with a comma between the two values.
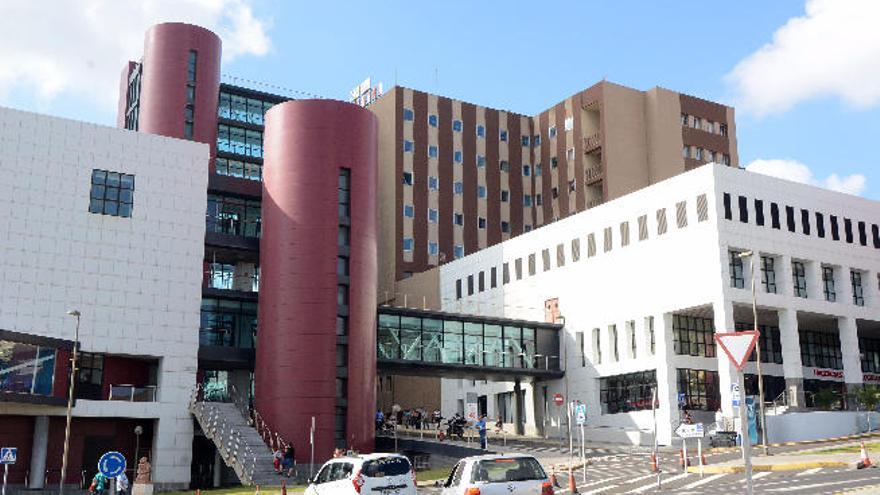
x=592, y=142
x=132, y=393
x=594, y=173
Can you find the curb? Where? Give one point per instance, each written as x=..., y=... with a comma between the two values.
x=721, y=450
x=787, y=466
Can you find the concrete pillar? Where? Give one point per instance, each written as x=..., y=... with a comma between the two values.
x=784, y=282
x=517, y=411
x=667, y=379
x=849, y=349
x=843, y=285
x=791, y=357
x=813, y=272
x=727, y=373
x=218, y=469
x=39, y=448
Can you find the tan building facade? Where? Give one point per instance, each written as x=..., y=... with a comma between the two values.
x=456, y=177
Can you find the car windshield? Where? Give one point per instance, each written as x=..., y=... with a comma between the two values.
x=508, y=469
x=386, y=466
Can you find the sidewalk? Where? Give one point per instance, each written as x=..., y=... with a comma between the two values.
x=782, y=462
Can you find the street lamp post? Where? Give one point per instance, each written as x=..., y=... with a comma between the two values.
x=76, y=314
x=752, y=257
x=138, y=431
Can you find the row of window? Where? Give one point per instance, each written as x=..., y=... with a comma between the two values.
x=803, y=221
x=574, y=252
x=705, y=155
x=628, y=392
x=799, y=278
x=233, y=216
x=342, y=300
x=631, y=345
x=480, y=130
x=702, y=124
x=503, y=165
x=240, y=141
x=189, y=109
x=242, y=109
x=239, y=169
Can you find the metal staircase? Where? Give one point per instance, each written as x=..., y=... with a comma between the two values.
x=244, y=441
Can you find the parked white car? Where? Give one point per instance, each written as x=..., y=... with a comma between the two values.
x=498, y=475
x=371, y=474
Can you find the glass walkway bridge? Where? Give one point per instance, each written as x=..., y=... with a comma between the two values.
x=432, y=343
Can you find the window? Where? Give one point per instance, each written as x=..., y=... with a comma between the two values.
x=189, y=109
x=631, y=336
x=239, y=169
x=527, y=227
x=759, y=212
x=649, y=324
x=835, y=233
x=407, y=146
x=246, y=142
x=697, y=123
x=769, y=340
x=525, y=140
x=407, y=244
x=723, y=129
x=505, y=195
x=591, y=245
x=343, y=238
x=728, y=213
x=432, y=120
x=504, y=166
x=805, y=222
x=233, y=216
x=820, y=225
x=597, y=346
x=863, y=234
x=774, y=216
x=536, y=140
x=875, y=232
x=870, y=351
x=433, y=249
x=112, y=193
x=554, y=191
x=693, y=336
x=458, y=219
x=552, y=132
x=517, y=266
x=643, y=227
x=789, y=218
x=768, y=274
x=481, y=131
x=725, y=159
x=433, y=215
x=661, y=221
x=554, y=162
x=458, y=251
x=857, y=290
x=539, y=200
x=581, y=349
x=433, y=152
x=743, y=209
x=681, y=219
x=481, y=161
x=493, y=277
x=502, y=135
x=532, y=265
x=527, y=171
x=569, y=154
x=89, y=376
x=847, y=230
x=799, y=278
x=456, y=156
x=686, y=151
x=456, y=125
x=408, y=211
x=457, y=188
x=481, y=281
x=481, y=223
x=568, y=124
x=470, y=285
x=545, y=258
x=626, y=393
x=505, y=227
x=527, y=200
x=612, y=330
x=481, y=192
x=699, y=154
x=684, y=119
x=702, y=208
x=538, y=170
x=624, y=234
x=458, y=289
x=342, y=266
x=609, y=241
x=433, y=183
x=407, y=178
x=737, y=279
x=342, y=295
x=575, y=249
x=700, y=389
x=828, y=283
x=407, y=114
x=820, y=349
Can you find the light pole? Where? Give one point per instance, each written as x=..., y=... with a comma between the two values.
x=138, y=431
x=752, y=257
x=76, y=314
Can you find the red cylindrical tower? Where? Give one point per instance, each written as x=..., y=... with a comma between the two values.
x=316, y=341
x=172, y=94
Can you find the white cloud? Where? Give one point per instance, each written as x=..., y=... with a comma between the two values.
x=833, y=50
x=78, y=47
x=796, y=171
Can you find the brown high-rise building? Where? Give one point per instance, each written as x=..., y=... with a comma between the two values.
x=456, y=177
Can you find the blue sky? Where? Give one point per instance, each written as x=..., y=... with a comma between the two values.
x=805, y=106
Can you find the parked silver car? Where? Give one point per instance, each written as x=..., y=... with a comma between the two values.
x=498, y=475
x=370, y=474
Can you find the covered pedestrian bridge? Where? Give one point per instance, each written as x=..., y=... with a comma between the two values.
x=431, y=343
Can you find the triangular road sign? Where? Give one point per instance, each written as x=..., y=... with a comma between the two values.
x=738, y=345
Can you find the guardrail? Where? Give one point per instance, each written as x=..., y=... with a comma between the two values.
x=133, y=393
x=234, y=451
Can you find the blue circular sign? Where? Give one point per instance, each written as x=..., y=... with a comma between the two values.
x=111, y=464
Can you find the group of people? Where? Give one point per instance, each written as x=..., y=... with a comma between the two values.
x=284, y=460
x=417, y=418
x=101, y=483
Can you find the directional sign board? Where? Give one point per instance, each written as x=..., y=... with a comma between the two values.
x=8, y=455
x=690, y=431
x=111, y=464
x=580, y=414
x=738, y=345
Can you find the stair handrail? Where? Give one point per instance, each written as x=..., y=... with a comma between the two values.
x=780, y=400
x=228, y=439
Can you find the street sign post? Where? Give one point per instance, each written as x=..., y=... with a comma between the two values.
x=111, y=464
x=697, y=431
x=580, y=414
x=8, y=455
x=738, y=346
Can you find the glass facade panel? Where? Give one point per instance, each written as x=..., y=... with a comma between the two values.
x=625, y=393
x=700, y=388
x=233, y=216
x=388, y=337
x=453, y=341
x=26, y=368
x=410, y=338
x=228, y=323
x=693, y=336
x=473, y=343
x=820, y=349
x=432, y=339
x=513, y=350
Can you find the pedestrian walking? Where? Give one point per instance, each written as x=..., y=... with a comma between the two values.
x=121, y=484
x=481, y=428
x=380, y=420
x=277, y=456
x=289, y=460
x=99, y=484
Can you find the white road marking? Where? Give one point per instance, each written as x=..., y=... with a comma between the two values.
x=817, y=485
x=704, y=481
x=760, y=475
x=809, y=472
x=654, y=485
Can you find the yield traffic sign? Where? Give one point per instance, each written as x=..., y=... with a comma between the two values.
x=738, y=345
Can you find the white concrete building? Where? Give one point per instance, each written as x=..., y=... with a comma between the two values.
x=643, y=281
x=109, y=222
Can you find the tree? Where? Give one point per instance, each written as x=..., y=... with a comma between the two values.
x=825, y=398
x=869, y=398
